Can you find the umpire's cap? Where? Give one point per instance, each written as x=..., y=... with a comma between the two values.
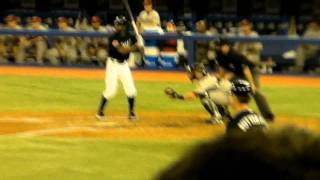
x=121, y=20
x=240, y=87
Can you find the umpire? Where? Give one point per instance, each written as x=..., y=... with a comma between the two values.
x=234, y=65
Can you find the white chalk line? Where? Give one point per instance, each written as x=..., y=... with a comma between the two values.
x=62, y=130
x=45, y=120
x=33, y=120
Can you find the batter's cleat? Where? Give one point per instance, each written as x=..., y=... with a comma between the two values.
x=100, y=117
x=214, y=121
x=132, y=116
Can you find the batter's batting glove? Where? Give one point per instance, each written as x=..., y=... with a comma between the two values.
x=172, y=93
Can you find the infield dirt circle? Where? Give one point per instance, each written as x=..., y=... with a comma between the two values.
x=149, y=125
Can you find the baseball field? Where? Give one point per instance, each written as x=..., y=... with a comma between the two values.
x=48, y=129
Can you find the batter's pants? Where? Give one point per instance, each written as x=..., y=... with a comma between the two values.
x=121, y=71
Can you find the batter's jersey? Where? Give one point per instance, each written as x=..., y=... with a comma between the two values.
x=247, y=121
x=126, y=40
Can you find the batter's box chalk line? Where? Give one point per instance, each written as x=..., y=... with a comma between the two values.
x=54, y=131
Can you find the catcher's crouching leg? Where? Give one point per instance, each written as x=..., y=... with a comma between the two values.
x=212, y=109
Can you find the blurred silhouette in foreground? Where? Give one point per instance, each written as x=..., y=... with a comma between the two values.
x=286, y=154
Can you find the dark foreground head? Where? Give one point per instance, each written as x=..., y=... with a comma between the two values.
x=286, y=154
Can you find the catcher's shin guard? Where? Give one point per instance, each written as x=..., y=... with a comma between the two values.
x=210, y=107
x=223, y=110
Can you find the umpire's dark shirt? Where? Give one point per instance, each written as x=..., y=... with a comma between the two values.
x=246, y=121
x=126, y=40
x=234, y=62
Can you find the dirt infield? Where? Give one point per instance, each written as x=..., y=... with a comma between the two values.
x=149, y=125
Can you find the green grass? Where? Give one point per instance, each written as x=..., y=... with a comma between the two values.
x=84, y=159
x=63, y=94
x=94, y=159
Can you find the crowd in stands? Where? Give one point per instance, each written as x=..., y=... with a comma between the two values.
x=66, y=50
x=88, y=50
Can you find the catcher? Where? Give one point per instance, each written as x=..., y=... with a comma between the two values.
x=213, y=93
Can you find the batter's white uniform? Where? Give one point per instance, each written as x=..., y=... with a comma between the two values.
x=120, y=46
x=118, y=69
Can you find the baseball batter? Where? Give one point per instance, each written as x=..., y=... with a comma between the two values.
x=212, y=92
x=117, y=68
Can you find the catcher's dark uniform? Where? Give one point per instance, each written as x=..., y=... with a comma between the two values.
x=235, y=63
x=246, y=121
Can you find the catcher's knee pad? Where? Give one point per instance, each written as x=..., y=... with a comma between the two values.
x=205, y=100
x=220, y=97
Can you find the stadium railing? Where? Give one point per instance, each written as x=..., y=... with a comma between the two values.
x=273, y=45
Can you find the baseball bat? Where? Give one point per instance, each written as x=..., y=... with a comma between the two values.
x=133, y=22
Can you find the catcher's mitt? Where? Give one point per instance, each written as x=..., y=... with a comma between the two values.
x=172, y=93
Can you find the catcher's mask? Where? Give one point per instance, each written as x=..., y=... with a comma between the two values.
x=198, y=67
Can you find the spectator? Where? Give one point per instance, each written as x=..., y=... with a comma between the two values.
x=172, y=51
x=148, y=19
x=306, y=51
x=11, y=43
x=292, y=29
x=286, y=154
x=96, y=47
x=204, y=50
x=34, y=46
x=64, y=48
x=252, y=50
x=181, y=27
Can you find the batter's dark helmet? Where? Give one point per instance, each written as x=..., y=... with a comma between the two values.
x=241, y=87
x=121, y=20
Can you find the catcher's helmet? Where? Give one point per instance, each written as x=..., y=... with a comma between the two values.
x=121, y=20
x=241, y=87
x=198, y=67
